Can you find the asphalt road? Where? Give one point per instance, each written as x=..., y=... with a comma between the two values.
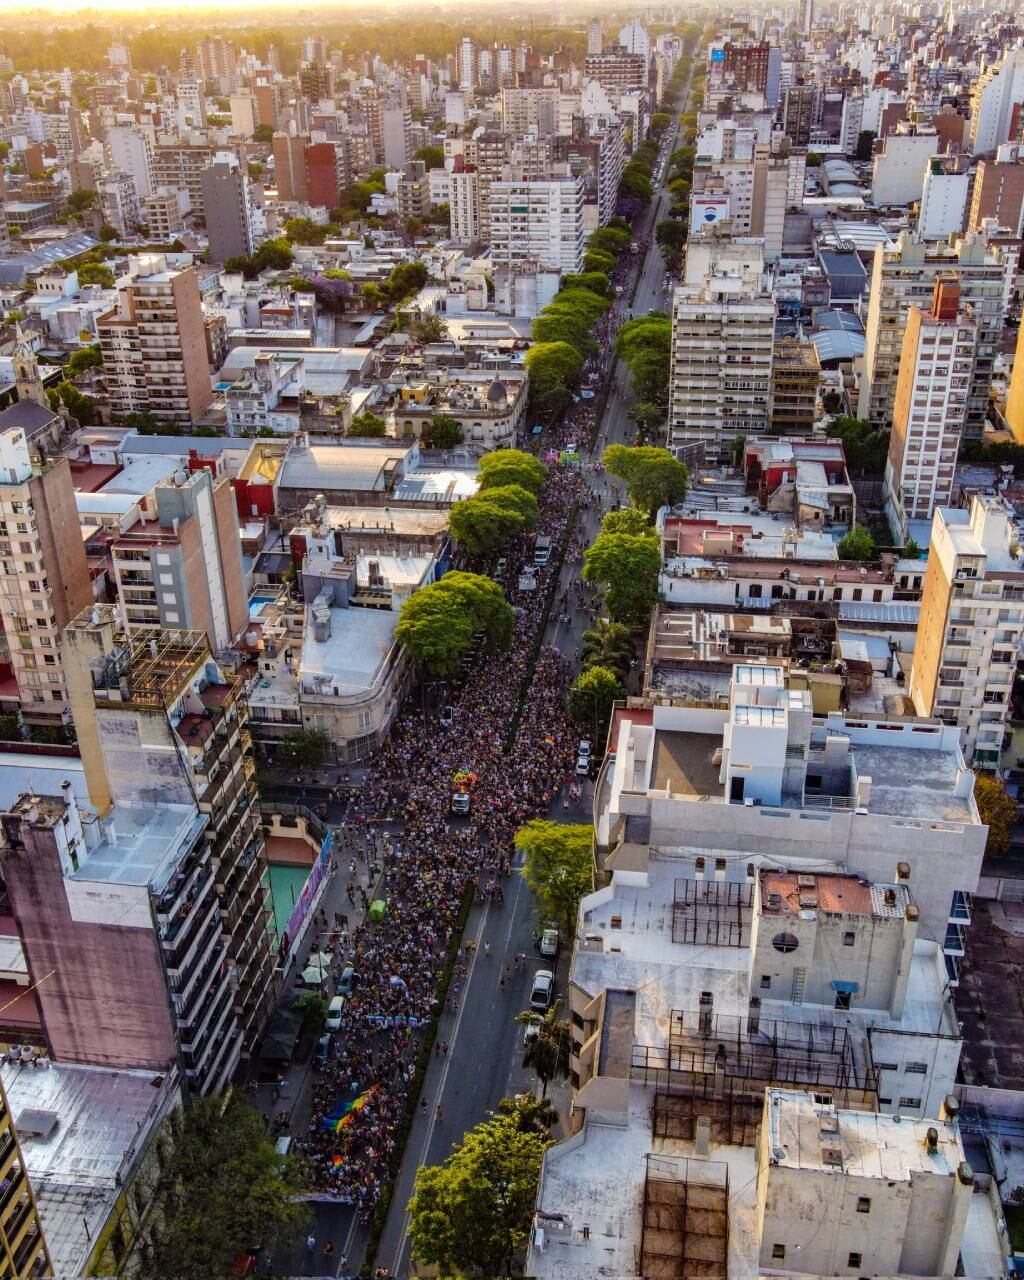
x=483, y=1063
x=484, y=1059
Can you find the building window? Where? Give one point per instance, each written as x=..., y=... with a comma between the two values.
x=785, y=942
x=918, y=1068
x=766, y=981
x=910, y=1103
x=863, y=1204
x=842, y=999
x=886, y=1066
x=854, y=1260
x=778, y=1252
x=849, y=939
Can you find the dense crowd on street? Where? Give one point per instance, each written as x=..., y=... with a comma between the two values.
x=433, y=860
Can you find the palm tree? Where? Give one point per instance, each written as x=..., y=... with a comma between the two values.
x=608, y=644
x=533, y=1115
x=548, y=1051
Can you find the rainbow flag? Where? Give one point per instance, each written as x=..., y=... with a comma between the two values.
x=548, y=740
x=337, y=1161
x=343, y=1111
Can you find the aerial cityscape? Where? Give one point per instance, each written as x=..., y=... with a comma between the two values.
x=512, y=641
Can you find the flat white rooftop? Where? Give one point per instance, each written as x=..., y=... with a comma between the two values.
x=143, y=844
x=596, y=1179
x=864, y=1144
x=347, y=663
x=103, y=1121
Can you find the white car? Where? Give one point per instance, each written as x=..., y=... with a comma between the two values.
x=543, y=990
x=447, y=716
x=584, y=748
x=333, y=1020
x=582, y=766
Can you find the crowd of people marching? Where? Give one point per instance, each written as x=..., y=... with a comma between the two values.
x=360, y=1094
x=430, y=864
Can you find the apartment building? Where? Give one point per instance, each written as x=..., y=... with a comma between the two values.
x=878, y=792
x=999, y=89
x=412, y=193
x=228, y=209
x=897, y=175
x=267, y=395
x=177, y=841
x=972, y=624
x=798, y=102
x=796, y=374
x=118, y=202
x=154, y=343
x=943, y=199
x=930, y=408
x=162, y=216
x=760, y=186
x=488, y=152
x=616, y=69
x=180, y=165
x=720, y=375
x=1015, y=392
x=130, y=149
x=290, y=167
x=744, y=66
x=719, y=961
x=23, y=1251
x=905, y=1214
x=998, y=190
x=45, y=578
x=530, y=111
x=539, y=221
x=180, y=566
x=905, y=273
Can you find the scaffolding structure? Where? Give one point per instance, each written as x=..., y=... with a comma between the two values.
x=148, y=668
x=712, y=913
x=716, y=1069
x=685, y=1230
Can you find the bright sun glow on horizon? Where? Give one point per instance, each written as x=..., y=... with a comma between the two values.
x=157, y=8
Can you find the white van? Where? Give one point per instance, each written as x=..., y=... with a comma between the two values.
x=334, y=1013
x=283, y=1145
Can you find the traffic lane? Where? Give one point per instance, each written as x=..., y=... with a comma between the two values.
x=482, y=1031
x=329, y=1222
x=488, y=1033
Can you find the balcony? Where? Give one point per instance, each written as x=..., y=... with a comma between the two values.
x=961, y=907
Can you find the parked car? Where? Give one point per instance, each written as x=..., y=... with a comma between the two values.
x=447, y=716
x=543, y=990
x=548, y=944
x=323, y=1047
x=334, y=1013
x=584, y=748
x=347, y=981
x=582, y=766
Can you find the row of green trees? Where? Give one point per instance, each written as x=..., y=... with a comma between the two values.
x=625, y=560
x=563, y=332
x=504, y=505
x=637, y=181
x=644, y=345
